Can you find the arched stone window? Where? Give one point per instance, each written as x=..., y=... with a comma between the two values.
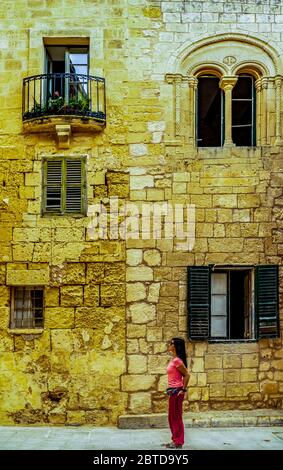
x=227, y=92
x=209, y=111
x=244, y=111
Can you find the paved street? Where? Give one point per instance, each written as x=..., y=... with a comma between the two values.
x=90, y=438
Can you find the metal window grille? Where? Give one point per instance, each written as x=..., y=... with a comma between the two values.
x=27, y=307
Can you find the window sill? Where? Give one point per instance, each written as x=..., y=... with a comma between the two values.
x=25, y=331
x=68, y=215
x=216, y=340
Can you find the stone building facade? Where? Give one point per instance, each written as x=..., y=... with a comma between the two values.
x=85, y=316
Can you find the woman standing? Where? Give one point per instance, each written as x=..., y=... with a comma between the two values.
x=178, y=377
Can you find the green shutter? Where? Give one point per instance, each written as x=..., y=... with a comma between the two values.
x=64, y=185
x=266, y=301
x=198, y=302
x=53, y=186
x=74, y=183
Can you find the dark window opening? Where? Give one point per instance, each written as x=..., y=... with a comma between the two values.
x=27, y=307
x=63, y=60
x=210, y=109
x=239, y=305
x=231, y=309
x=243, y=111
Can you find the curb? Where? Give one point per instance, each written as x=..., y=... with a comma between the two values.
x=210, y=419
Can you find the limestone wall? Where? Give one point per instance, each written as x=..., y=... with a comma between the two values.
x=111, y=305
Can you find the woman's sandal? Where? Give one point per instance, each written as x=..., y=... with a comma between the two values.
x=172, y=445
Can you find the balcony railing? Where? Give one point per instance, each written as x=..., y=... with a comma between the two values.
x=64, y=94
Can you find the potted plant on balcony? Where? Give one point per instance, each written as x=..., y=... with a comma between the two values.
x=55, y=104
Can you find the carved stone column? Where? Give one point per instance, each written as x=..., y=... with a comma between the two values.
x=176, y=81
x=227, y=84
x=278, y=81
x=177, y=85
x=193, y=83
x=264, y=85
x=258, y=111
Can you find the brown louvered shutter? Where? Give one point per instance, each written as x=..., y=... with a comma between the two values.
x=198, y=302
x=53, y=176
x=266, y=301
x=74, y=185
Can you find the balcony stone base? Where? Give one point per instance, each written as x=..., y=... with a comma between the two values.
x=63, y=132
x=63, y=126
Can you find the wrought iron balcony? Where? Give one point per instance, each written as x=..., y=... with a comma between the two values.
x=65, y=95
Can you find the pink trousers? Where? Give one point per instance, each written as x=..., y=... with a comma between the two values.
x=175, y=418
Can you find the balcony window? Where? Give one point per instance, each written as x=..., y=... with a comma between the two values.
x=65, y=89
x=71, y=65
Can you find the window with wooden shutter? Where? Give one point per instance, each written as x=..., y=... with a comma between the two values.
x=74, y=185
x=64, y=186
x=199, y=302
x=53, y=185
x=267, y=304
x=233, y=303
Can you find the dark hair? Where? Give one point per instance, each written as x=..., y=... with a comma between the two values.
x=180, y=348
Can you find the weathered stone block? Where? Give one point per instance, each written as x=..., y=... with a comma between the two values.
x=248, y=375
x=95, y=273
x=157, y=364
x=169, y=289
x=51, y=296
x=142, y=312
x=73, y=273
x=71, y=296
x=118, y=190
x=76, y=418
x=137, y=364
x=4, y=317
x=152, y=257
x=135, y=291
x=217, y=390
x=250, y=360
x=91, y=295
x=153, y=292
x=213, y=361
x=231, y=361
x=59, y=317
x=28, y=277
x=114, y=273
x=113, y=294
x=134, y=257
x=231, y=375
x=214, y=376
x=136, y=331
x=269, y=388
x=226, y=245
x=139, y=273
x=140, y=402
x=154, y=333
x=248, y=200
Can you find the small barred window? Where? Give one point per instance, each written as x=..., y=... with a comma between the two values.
x=27, y=307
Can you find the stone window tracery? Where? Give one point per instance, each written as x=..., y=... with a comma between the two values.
x=250, y=109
